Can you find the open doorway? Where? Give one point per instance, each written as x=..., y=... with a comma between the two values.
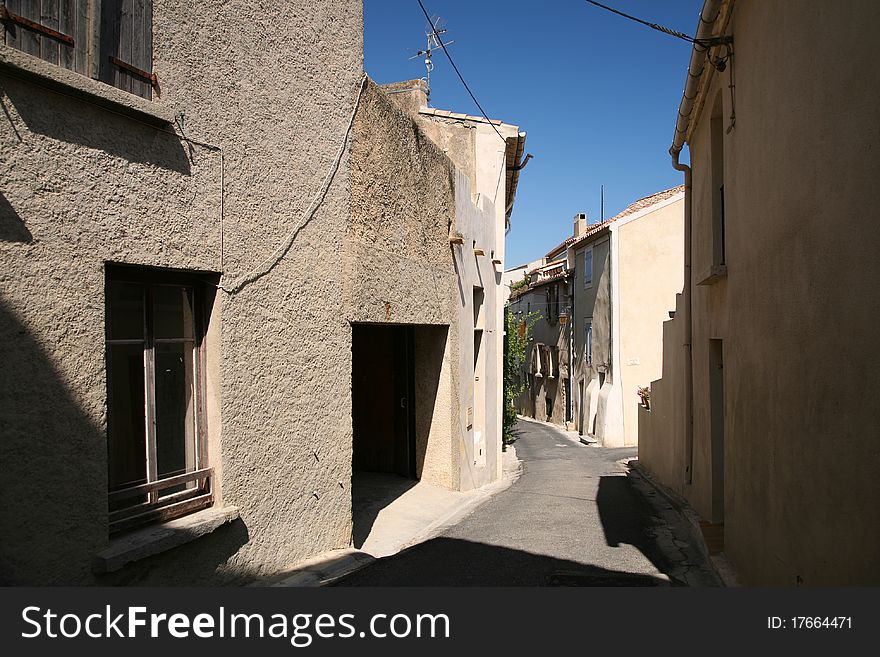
x=397, y=378
x=383, y=383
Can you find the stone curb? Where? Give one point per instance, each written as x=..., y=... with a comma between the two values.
x=329, y=567
x=719, y=564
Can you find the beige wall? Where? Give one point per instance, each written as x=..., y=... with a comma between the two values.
x=408, y=198
x=396, y=261
x=591, y=410
x=83, y=186
x=649, y=274
x=798, y=309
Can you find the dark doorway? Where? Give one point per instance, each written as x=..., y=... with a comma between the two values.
x=383, y=391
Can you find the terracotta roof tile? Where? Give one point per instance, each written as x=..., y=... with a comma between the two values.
x=632, y=208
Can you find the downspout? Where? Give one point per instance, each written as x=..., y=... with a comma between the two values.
x=708, y=15
x=570, y=406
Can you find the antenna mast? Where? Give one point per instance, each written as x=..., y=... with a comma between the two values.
x=432, y=32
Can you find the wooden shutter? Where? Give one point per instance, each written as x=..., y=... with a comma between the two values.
x=53, y=30
x=126, y=50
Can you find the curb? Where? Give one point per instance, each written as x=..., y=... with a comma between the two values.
x=327, y=568
x=721, y=568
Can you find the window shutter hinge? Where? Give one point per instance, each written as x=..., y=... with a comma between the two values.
x=152, y=78
x=8, y=17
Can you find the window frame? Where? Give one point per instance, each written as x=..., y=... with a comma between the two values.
x=588, y=270
x=588, y=341
x=80, y=36
x=158, y=507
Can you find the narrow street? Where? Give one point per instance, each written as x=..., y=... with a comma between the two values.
x=573, y=518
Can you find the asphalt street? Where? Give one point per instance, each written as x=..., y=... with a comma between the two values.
x=573, y=518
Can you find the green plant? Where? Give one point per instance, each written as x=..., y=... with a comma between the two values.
x=518, y=333
x=519, y=284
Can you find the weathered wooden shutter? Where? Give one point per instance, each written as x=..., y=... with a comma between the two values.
x=54, y=30
x=126, y=50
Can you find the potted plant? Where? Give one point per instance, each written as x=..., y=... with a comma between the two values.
x=645, y=396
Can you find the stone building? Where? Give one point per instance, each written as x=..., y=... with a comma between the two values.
x=196, y=234
x=761, y=419
x=603, y=295
x=545, y=299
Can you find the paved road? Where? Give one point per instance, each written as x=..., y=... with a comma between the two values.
x=572, y=518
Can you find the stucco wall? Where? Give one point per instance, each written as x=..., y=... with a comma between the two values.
x=83, y=186
x=650, y=261
x=593, y=412
x=408, y=198
x=397, y=261
x=798, y=308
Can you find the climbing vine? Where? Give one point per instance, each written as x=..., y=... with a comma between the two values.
x=518, y=332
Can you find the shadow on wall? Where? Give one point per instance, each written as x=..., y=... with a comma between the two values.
x=53, y=485
x=430, y=349
x=83, y=123
x=202, y=562
x=454, y=562
x=12, y=226
x=53, y=457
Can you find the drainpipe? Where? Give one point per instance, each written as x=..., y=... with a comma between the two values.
x=688, y=330
x=708, y=15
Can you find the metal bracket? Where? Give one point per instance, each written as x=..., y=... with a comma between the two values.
x=152, y=78
x=8, y=17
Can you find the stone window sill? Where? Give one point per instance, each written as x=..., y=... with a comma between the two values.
x=155, y=539
x=715, y=274
x=21, y=65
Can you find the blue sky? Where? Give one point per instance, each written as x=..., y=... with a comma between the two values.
x=596, y=94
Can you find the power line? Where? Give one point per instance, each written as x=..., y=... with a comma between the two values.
x=654, y=26
x=460, y=77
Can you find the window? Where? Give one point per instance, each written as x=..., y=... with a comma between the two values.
x=552, y=295
x=57, y=31
x=588, y=341
x=588, y=268
x=156, y=444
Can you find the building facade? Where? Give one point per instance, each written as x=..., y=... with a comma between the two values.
x=602, y=295
x=542, y=304
x=760, y=420
x=626, y=272
x=186, y=293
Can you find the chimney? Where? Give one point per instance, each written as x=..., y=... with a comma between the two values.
x=580, y=224
x=409, y=95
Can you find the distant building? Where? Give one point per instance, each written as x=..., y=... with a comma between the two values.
x=764, y=418
x=545, y=292
x=603, y=296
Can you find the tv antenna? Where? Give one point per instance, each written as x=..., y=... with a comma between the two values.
x=433, y=31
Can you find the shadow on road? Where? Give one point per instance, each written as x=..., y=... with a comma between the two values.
x=454, y=562
x=625, y=515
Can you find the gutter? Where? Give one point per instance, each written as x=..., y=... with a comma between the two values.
x=518, y=163
x=699, y=56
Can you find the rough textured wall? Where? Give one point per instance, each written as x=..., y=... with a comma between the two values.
x=83, y=186
x=398, y=266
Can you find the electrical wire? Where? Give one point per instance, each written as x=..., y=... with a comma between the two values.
x=269, y=263
x=654, y=26
x=460, y=77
